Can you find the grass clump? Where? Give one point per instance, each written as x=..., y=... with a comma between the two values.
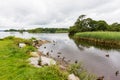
x=79, y=71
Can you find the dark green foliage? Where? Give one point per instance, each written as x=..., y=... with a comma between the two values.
x=83, y=24
x=114, y=27
x=42, y=30
x=102, y=26
x=48, y=30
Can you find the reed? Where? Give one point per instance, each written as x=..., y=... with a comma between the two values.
x=109, y=38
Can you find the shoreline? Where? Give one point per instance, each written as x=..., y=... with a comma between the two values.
x=59, y=61
x=100, y=42
x=108, y=39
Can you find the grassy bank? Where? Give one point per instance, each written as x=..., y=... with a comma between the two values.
x=107, y=38
x=113, y=36
x=14, y=64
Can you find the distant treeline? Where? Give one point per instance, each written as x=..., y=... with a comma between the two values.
x=84, y=24
x=48, y=30
x=42, y=30
x=15, y=30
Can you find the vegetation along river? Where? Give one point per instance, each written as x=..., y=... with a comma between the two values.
x=100, y=61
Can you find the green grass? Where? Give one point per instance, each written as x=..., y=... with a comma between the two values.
x=14, y=64
x=112, y=36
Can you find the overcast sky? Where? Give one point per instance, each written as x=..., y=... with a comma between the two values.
x=55, y=13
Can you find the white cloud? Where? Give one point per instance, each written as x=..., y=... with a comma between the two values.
x=54, y=13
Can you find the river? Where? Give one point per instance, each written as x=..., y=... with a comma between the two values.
x=94, y=59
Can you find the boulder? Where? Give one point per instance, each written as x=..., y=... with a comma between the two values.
x=34, y=54
x=38, y=43
x=72, y=77
x=47, y=61
x=34, y=61
x=62, y=67
x=44, y=61
x=21, y=45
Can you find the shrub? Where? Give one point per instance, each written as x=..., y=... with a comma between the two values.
x=79, y=71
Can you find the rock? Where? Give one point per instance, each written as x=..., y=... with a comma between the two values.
x=40, y=53
x=47, y=54
x=47, y=61
x=107, y=55
x=72, y=77
x=59, y=53
x=21, y=45
x=76, y=61
x=38, y=43
x=116, y=73
x=58, y=56
x=69, y=61
x=34, y=61
x=44, y=47
x=100, y=78
x=51, y=50
x=77, y=78
x=63, y=58
x=34, y=54
x=62, y=67
x=53, y=41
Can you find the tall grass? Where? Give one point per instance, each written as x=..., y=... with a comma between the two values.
x=112, y=36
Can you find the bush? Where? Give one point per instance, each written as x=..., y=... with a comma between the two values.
x=79, y=71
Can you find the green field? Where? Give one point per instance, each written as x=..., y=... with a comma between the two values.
x=111, y=36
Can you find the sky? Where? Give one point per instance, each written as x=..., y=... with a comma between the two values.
x=27, y=14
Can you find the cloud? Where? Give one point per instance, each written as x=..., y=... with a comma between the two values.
x=54, y=13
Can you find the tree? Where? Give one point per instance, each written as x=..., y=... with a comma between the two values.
x=115, y=27
x=102, y=25
x=83, y=24
x=81, y=17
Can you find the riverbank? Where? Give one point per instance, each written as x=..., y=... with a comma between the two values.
x=102, y=38
x=15, y=65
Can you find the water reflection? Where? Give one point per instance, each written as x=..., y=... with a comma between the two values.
x=88, y=44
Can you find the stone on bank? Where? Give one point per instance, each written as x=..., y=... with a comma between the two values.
x=44, y=61
x=21, y=45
